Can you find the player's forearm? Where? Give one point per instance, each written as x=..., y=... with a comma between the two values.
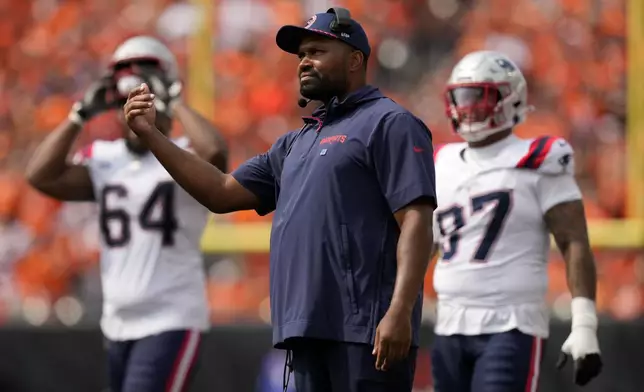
x=199, y=178
x=567, y=223
x=580, y=269
x=413, y=255
x=582, y=282
x=49, y=161
x=207, y=142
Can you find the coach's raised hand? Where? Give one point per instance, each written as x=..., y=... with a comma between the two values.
x=218, y=192
x=139, y=109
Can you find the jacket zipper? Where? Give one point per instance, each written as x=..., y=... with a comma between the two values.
x=317, y=132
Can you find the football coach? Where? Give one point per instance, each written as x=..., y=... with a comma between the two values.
x=353, y=195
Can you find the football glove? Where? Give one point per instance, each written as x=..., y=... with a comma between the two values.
x=582, y=344
x=99, y=97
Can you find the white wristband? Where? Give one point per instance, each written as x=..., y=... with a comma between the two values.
x=74, y=117
x=583, y=313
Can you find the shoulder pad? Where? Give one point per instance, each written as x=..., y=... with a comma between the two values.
x=447, y=149
x=549, y=155
x=84, y=155
x=99, y=151
x=437, y=148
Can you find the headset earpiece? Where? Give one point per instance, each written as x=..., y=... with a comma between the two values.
x=342, y=21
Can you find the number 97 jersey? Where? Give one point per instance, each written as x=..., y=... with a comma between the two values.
x=151, y=263
x=489, y=223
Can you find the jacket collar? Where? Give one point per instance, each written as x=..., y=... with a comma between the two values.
x=336, y=109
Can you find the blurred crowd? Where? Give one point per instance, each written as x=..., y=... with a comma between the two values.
x=571, y=51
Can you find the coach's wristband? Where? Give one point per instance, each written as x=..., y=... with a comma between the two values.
x=583, y=313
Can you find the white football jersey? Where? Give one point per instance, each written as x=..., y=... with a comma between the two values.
x=492, y=276
x=151, y=264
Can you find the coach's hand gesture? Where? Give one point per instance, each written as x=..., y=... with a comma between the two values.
x=139, y=109
x=393, y=339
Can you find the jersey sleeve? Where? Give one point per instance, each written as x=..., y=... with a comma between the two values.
x=556, y=189
x=553, y=159
x=549, y=155
x=402, y=154
x=84, y=155
x=260, y=174
x=437, y=149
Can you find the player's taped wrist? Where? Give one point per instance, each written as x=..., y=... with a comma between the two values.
x=584, y=314
x=75, y=118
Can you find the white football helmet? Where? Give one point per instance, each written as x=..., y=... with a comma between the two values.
x=144, y=48
x=142, y=52
x=486, y=93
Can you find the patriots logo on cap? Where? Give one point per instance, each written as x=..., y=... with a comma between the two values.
x=310, y=22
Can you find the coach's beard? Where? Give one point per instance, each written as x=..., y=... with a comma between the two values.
x=323, y=88
x=316, y=92
x=315, y=87
x=311, y=88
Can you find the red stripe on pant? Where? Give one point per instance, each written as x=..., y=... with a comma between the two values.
x=535, y=364
x=184, y=362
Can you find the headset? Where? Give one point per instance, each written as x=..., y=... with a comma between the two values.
x=342, y=21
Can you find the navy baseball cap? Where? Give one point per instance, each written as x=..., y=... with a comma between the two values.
x=290, y=37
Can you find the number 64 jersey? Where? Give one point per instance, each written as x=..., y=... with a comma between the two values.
x=489, y=223
x=151, y=264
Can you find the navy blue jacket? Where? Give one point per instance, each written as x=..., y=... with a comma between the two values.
x=335, y=185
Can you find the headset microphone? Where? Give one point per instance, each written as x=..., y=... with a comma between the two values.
x=302, y=102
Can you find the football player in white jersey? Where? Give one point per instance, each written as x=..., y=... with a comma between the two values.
x=155, y=306
x=499, y=198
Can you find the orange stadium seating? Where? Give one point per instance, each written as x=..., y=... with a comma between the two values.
x=572, y=52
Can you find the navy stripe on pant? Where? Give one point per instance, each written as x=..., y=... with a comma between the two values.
x=501, y=362
x=157, y=363
x=327, y=366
